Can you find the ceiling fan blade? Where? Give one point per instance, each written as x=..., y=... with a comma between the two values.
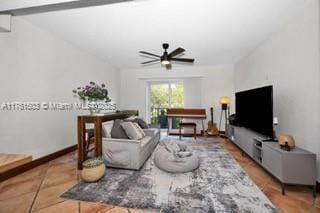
x=190, y=60
x=176, y=52
x=143, y=52
x=147, y=62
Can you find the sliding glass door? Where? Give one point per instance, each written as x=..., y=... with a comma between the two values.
x=163, y=95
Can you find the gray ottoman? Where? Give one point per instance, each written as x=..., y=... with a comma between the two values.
x=165, y=160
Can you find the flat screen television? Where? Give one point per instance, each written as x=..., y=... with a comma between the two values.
x=254, y=110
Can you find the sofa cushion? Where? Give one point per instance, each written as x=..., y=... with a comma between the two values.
x=116, y=156
x=139, y=129
x=117, y=131
x=142, y=123
x=107, y=127
x=133, y=130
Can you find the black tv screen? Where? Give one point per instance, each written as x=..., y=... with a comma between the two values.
x=254, y=110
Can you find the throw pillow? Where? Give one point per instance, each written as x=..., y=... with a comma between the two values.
x=117, y=131
x=107, y=127
x=132, y=130
x=142, y=123
x=139, y=129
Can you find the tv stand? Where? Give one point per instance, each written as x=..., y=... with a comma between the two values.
x=270, y=140
x=297, y=166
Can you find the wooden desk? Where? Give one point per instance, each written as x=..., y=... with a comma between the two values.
x=97, y=120
x=187, y=113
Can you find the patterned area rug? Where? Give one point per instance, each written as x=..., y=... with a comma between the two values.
x=218, y=185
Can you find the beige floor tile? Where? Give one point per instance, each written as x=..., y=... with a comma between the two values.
x=274, y=183
x=243, y=161
x=287, y=203
x=315, y=210
x=117, y=210
x=56, y=178
x=51, y=195
x=140, y=211
x=259, y=176
x=86, y=207
x=229, y=146
x=61, y=167
x=62, y=207
x=69, y=158
x=18, y=204
x=13, y=189
x=303, y=193
x=36, y=172
x=317, y=201
x=69, y=162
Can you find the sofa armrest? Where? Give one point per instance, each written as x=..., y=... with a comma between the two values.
x=149, y=132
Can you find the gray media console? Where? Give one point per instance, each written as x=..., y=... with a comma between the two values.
x=297, y=166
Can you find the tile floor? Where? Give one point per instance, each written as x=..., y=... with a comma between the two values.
x=39, y=189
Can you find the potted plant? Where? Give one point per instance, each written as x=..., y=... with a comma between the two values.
x=91, y=94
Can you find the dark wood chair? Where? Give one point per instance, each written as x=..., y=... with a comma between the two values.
x=188, y=125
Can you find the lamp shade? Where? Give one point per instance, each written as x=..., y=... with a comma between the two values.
x=224, y=100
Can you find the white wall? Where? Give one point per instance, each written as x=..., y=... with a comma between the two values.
x=214, y=82
x=35, y=66
x=289, y=60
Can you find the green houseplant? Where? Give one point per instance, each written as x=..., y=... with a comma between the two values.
x=91, y=94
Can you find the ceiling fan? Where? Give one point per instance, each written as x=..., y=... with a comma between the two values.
x=166, y=58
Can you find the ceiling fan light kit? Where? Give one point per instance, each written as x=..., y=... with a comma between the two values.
x=166, y=58
x=165, y=62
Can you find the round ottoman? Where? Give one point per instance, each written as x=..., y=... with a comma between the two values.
x=166, y=161
x=93, y=169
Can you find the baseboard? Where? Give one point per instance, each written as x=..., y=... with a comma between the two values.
x=30, y=165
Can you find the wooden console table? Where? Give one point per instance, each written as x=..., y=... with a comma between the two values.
x=97, y=120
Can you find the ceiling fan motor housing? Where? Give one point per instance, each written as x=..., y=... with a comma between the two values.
x=165, y=57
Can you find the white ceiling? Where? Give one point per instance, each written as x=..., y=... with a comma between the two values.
x=18, y=4
x=212, y=31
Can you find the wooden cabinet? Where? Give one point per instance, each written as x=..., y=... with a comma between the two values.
x=271, y=160
x=297, y=166
x=244, y=138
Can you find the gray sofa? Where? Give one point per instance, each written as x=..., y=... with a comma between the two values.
x=130, y=154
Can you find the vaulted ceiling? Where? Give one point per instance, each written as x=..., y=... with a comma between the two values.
x=212, y=31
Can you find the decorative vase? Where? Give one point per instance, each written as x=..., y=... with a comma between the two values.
x=93, y=107
x=93, y=169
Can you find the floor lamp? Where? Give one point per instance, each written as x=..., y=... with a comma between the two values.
x=224, y=101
